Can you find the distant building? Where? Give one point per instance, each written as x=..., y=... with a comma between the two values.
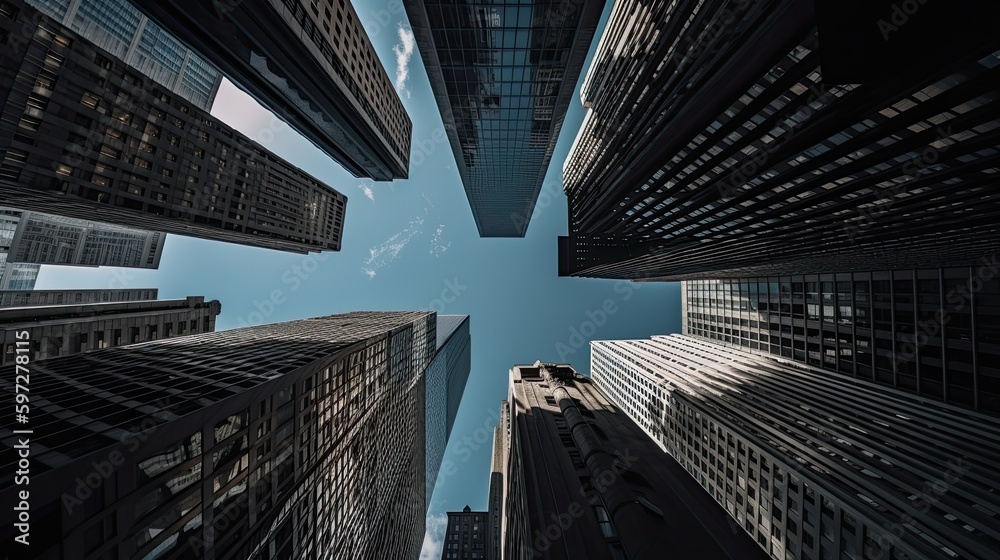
x=87, y=137
x=300, y=439
x=503, y=77
x=47, y=239
x=68, y=328
x=498, y=474
x=119, y=28
x=930, y=331
x=22, y=298
x=583, y=481
x=446, y=377
x=812, y=465
x=716, y=145
x=17, y=276
x=465, y=538
x=311, y=64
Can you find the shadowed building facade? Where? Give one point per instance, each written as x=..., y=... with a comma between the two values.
x=301, y=439
x=85, y=136
x=310, y=63
x=715, y=145
x=933, y=332
x=583, y=481
x=67, y=328
x=465, y=538
x=812, y=465
x=19, y=298
x=503, y=77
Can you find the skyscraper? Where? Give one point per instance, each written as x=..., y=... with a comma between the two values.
x=18, y=298
x=583, y=481
x=17, y=276
x=310, y=63
x=812, y=465
x=446, y=377
x=503, y=77
x=84, y=136
x=465, y=538
x=933, y=332
x=715, y=145
x=301, y=439
x=47, y=239
x=71, y=328
x=498, y=476
x=119, y=28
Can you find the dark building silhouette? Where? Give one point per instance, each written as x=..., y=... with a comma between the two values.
x=812, y=465
x=715, y=145
x=310, y=63
x=301, y=439
x=933, y=332
x=503, y=77
x=465, y=538
x=85, y=136
x=582, y=480
x=71, y=328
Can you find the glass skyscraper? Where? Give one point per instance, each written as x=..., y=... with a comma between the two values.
x=119, y=28
x=503, y=76
x=446, y=378
x=812, y=465
x=296, y=440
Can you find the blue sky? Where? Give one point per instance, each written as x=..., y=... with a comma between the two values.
x=413, y=245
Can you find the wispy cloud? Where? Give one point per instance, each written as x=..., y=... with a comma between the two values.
x=434, y=537
x=404, y=51
x=367, y=189
x=437, y=245
x=384, y=253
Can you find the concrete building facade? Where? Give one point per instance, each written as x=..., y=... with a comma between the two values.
x=23, y=298
x=465, y=538
x=812, y=465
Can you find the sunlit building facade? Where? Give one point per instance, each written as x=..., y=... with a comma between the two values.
x=71, y=328
x=812, y=465
x=503, y=77
x=312, y=64
x=933, y=332
x=119, y=28
x=47, y=239
x=301, y=439
x=87, y=137
x=715, y=146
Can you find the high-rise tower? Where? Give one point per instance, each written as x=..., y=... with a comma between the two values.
x=301, y=439
x=503, y=77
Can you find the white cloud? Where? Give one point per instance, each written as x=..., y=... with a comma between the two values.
x=367, y=189
x=434, y=537
x=404, y=51
x=384, y=253
x=437, y=246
